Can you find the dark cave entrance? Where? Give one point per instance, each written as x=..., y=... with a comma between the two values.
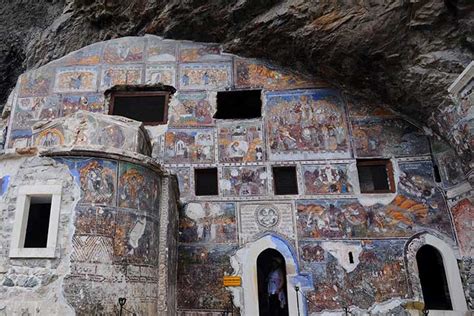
x=272, y=293
x=433, y=279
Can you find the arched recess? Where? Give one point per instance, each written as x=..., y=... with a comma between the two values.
x=451, y=269
x=244, y=263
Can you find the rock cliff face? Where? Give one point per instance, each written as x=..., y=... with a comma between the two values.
x=400, y=53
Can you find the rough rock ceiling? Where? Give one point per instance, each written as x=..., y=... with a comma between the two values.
x=403, y=53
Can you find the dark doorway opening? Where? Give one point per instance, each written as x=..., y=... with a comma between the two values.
x=433, y=279
x=272, y=293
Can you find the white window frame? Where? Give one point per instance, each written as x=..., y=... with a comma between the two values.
x=25, y=193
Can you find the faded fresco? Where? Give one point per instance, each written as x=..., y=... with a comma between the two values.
x=378, y=277
x=74, y=79
x=88, y=102
x=450, y=168
x=124, y=51
x=190, y=52
x=162, y=73
x=159, y=50
x=254, y=74
x=306, y=124
x=35, y=83
x=326, y=179
x=138, y=187
x=4, y=181
x=200, y=272
x=374, y=137
x=418, y=206
x=205, y=76
x=191, y=109
x=208, y=222
x=240, y=142
x=120, y=75
x=189, y=146
x=243, y=181
x=49, y=137
x=184, y=180
x=84, y=57
x=463, y=214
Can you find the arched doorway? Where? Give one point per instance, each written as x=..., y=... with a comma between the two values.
x=272, y=287
x=433, y=280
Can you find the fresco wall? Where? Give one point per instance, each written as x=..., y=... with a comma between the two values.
x=305, y=123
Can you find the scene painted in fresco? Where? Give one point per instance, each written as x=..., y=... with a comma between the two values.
x=116, y=241
x=208, y=223
x=240, y=142
x=306, y=125
x=326, y=179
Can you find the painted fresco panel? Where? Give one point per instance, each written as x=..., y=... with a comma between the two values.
x=463, y=214
x=74, y=79
x=240, y=142
x=161, y=50
x=418, y=206
x=205, y=76
x=184, y=180
x=138, y=187
x=88, y=102
x=163, y=73
x=191, y=109
x=327, y=179
x=35, y=83
x=136, y=239
x=243, y=181
x=450, y=167
x=96, y=177
x=124, y=50
x=306, y=124
x=365, y=110
x=39, y=108
x=379, y=275
x=253, y=74
x=200, y=272
x=50, y=137
x=374, y=137
x=192, y=52
x=208, y=222
x=189, y=146
x=89, y=55
x=4, y=181
x=120, y=75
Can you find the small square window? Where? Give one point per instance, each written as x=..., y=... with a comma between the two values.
x=239, y=104
x=205, y=181
x=36, y=223
x=375, y=176
x=285, y=180
x=149, y=107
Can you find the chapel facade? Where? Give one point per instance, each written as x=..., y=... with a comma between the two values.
x=153, y=170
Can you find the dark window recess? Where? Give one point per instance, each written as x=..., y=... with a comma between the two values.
x=375, y=176
x=285, y=181
x=150, y=108
x=205, y=181
x=351, y=257
x=433, y=279
x=36, y=235
x=436, y=173
x=239, y=104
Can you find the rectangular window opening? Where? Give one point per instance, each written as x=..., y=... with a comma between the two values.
x=36, y=235
x=375, y=176
x=240, y=104
x=285, y=180
x=151, y=108
x=206, y=181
